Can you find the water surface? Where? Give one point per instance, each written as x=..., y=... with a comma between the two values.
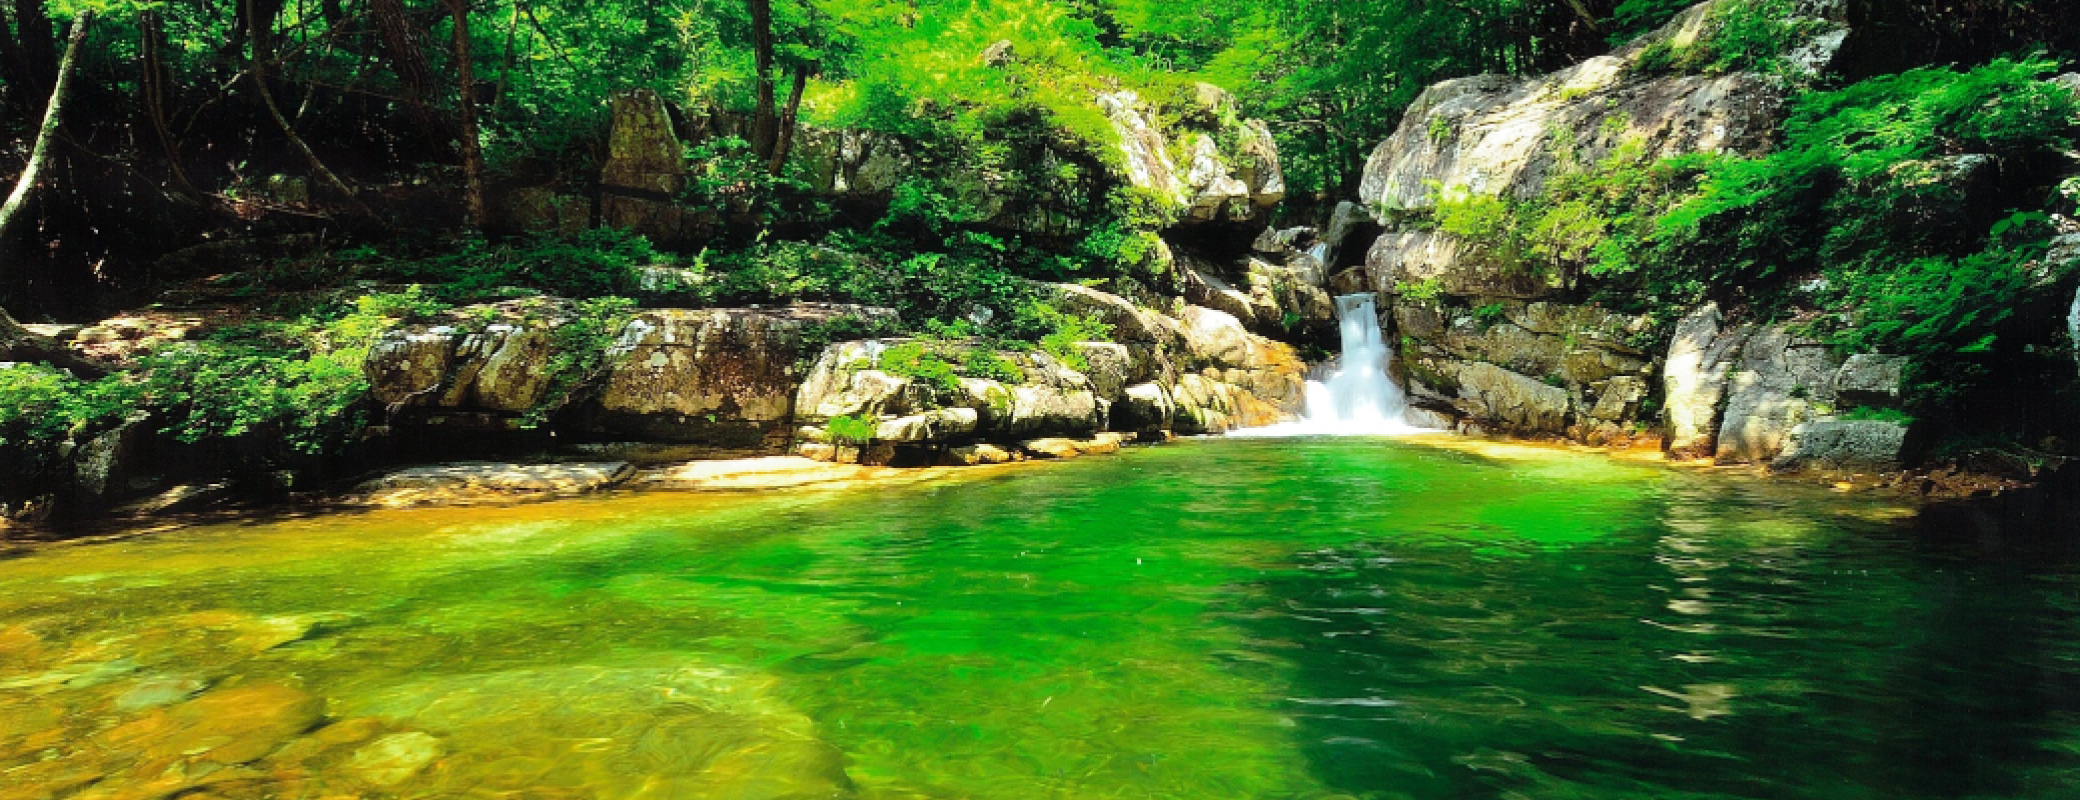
x=1218, y=619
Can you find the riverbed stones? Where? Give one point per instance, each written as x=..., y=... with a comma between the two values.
x=1061, y=448
x=978, y=455
x=394, y=759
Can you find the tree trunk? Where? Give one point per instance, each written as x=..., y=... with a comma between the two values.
x=505, y=73
x=15, y=76
x=472, y=147
x=408, y=60
x=257, y=70
x=37, y=37
x=152, y=90
x=788, y=116
x=20, y=344
x=40, y=156
x=764, y=124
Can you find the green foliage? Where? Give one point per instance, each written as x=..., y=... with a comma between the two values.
x=1742, y=36
x=375, y=313
x=732, y=182
x=913, y=360
x=849, y=429
x=201, y=391
x=990, y=365
x=41, y=407
x=1491, y=314
x=594, y=263
x=1427, y=291
x=1892, y=415
x=580, y=346
x=1057, y=333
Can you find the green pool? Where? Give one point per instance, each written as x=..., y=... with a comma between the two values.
x=1214, y=619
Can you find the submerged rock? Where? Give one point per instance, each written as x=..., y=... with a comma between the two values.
x=394, y=759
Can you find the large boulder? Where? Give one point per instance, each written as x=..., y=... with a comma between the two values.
x=1493, y=394
x=1582, y=352
x=1776, y=383
x=1217, y=337
x=1871, y=380
x=1493, y=134
x=645, y=170
x=1239, y=185
x=1844, y=444
x=492, y=358
x=722, y=376
x=1694, y=377
x=1507, y=137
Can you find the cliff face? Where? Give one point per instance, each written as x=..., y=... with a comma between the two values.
x=1494, y=347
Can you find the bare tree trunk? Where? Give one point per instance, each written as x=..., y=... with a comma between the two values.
x=20, y=344
x=35, y=36
x=505, y=74
x=262, y=52
x=408, y=60
x=46, y=135
x=14, y=65
x=764, y=125
x=152, y=86
x=787, y=121
x=472, y=146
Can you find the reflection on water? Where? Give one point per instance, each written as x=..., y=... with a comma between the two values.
x=1299, y=618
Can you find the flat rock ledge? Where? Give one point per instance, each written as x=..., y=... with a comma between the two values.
x=479, y=483
x=772, y=472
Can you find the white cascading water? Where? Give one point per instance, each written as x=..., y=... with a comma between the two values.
x=1359, y=398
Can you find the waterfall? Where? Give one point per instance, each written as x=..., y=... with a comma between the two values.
x=1359, y=398
x=2073, y=326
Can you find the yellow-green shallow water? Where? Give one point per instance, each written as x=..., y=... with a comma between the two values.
x=1219, y=619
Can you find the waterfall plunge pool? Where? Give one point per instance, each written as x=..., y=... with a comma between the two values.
x=1357, y=396
x=1302, y=618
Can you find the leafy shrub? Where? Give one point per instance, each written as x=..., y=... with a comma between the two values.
x=579, y=347
x=594, y=263
x=912, y=360
x=849, y=429
x=1743, y=36
x=373, y=314
x=41, y=407
x=988, y=364
x=202, y=390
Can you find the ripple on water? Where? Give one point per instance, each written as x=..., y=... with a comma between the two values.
x=1304, y=619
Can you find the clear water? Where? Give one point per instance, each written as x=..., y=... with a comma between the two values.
x=1219, y=619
